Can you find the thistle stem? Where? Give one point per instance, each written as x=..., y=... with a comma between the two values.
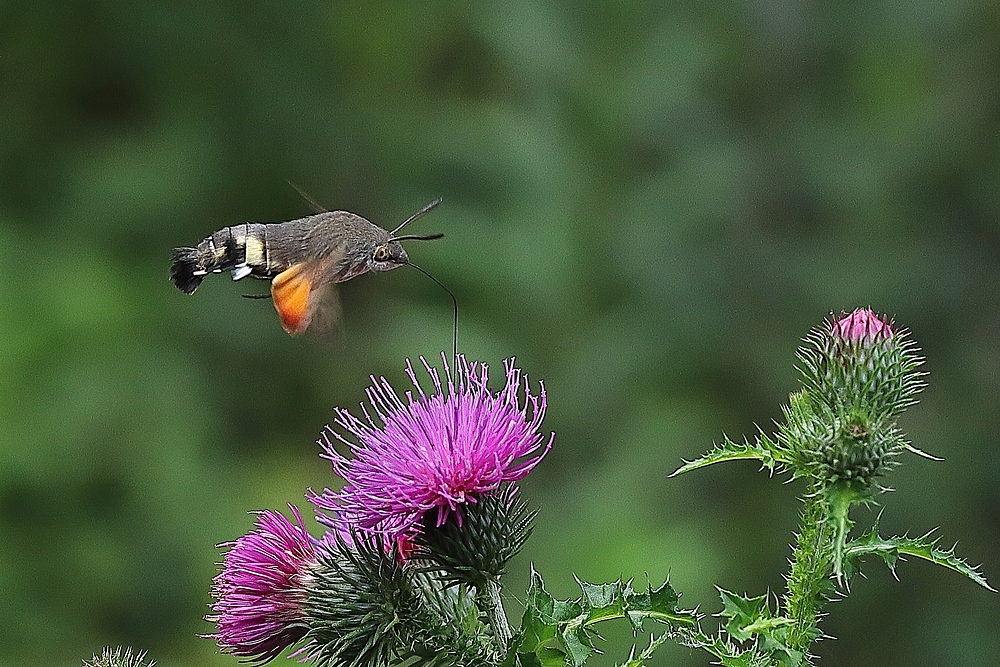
x=490, y=597
x=808, y=580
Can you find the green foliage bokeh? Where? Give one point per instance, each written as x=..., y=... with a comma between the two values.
x=649, y=204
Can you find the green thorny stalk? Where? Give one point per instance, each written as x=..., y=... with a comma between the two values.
x=818, y=553
x=489, y=599
x=808, y=580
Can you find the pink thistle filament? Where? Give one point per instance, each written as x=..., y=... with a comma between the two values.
x=260, y=592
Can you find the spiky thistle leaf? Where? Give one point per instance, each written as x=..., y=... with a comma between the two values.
x=893, y=549
x=763, y=449
x=724, y=649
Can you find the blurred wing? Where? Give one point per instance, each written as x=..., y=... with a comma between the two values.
x=324, y=326
x=300, y=293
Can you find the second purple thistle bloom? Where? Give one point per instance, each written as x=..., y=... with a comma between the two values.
x=436, y=451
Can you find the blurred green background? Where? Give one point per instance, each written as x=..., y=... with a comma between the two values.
x=648, y=204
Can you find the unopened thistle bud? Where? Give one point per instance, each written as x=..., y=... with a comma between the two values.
x=858, y=374
x=858, y=363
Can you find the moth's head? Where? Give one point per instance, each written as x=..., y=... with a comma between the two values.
x=387, y=256
x=390, y=254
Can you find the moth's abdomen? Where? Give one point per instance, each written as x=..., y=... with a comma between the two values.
x=241, y=249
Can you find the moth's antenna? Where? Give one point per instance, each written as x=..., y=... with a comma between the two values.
x=305, y=195
x=454, y=302
x=416, y=216
x=418, y=237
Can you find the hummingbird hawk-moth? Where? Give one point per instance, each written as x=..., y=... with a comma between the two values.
x=303, y=258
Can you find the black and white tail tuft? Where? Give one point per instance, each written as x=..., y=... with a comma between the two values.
x=185, y=270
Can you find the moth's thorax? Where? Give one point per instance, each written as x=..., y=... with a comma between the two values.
x=340, y=241
x=341, y=230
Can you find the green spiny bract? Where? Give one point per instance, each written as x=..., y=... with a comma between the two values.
x=118, y=657
x=367, y=609
x=837, y=447
x=477, y=548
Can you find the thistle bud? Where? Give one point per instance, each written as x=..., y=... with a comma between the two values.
x=858, y=364
x=858, y=374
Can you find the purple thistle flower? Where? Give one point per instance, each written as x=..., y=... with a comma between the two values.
x=261, y=589
x=432, y=452
x=861, y=324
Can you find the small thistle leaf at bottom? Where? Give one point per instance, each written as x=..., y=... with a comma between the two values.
x=742, y=612
x=751, y=616
x=893, y=549
x=554, y=630
x=763, y=450
x=727, y=653
x=647, y=653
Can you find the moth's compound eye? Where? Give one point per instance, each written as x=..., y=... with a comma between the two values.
x=381, y=253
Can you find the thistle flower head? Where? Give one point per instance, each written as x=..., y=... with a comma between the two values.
x=431, y=452
x=261, y=591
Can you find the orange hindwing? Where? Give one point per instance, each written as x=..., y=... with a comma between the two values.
x=291, y=290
